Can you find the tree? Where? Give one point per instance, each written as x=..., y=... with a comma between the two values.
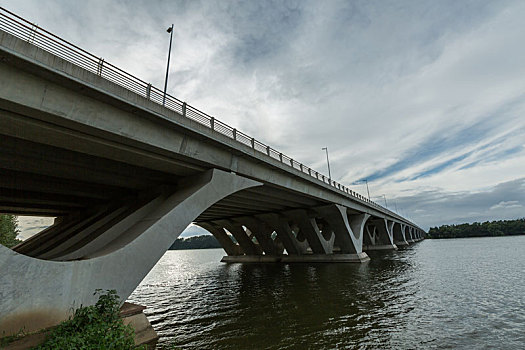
x=196, y=242
x=9, y=230
x=476, y=229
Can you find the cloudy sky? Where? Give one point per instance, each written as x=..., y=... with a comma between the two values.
x=424, y=99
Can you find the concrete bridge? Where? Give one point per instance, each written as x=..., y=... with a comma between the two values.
x=93, y=146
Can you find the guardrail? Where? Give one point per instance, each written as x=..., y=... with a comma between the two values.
x=27, y=31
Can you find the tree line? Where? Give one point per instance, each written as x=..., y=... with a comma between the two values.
x=477, y=229
x=196, y=242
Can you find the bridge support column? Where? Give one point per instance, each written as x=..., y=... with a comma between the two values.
x=222, y=237
x=371, y=236
x=246, y=242
x=410, y=234
x=280, y=224
x=263, y=233
x=416, y=235
x=307, y=225
x=37, y=293
x=303, y=229
x=399, y=235
x=379, y=235
x=348, y=230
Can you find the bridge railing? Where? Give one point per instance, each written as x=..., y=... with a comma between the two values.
x=35, y=35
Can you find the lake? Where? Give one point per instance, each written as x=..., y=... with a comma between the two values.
x=435, y=294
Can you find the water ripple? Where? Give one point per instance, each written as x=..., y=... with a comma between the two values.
x=441, y=294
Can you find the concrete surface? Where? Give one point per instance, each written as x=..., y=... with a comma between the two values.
x=37, y=293
x=306, y=258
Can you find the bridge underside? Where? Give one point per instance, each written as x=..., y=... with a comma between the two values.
x=327, y=233
x=88, y=193
x=115, y=219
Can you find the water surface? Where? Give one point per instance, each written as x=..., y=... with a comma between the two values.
x=435, y=294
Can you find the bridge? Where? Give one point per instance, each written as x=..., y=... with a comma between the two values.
x=124, y=175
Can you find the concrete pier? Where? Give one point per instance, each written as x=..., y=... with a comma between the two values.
x=380, y=247
x=307, y=258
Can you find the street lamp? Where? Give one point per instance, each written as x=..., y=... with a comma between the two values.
x=366, y=182
x=367, y=191
x=327, y=162
x=386, y=205
x=170, y=30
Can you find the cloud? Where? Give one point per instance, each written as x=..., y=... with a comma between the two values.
x=31, y=225
x=506, y=205
x=438, y=206
x=424, y=99
x=193, y=230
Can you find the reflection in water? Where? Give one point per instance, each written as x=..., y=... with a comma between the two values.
x=435, y=294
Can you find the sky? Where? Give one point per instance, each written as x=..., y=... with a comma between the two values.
x=423, y=99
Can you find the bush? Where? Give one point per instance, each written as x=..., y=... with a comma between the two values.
x=93, y=327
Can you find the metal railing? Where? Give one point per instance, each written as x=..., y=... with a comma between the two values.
x=37, y=36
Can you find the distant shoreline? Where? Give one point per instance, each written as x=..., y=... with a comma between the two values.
x=438, y=238
x=499, y=228
x=196, y=242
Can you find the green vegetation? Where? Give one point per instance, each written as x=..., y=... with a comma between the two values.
x=485, y=229
x=93, y=327
x=196, y=242
x=8, y=230
x=6, y=340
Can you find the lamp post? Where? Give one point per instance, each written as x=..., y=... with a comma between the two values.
x=328, y=163
x=366, y=182
x=367, y=190
x=170, y=30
